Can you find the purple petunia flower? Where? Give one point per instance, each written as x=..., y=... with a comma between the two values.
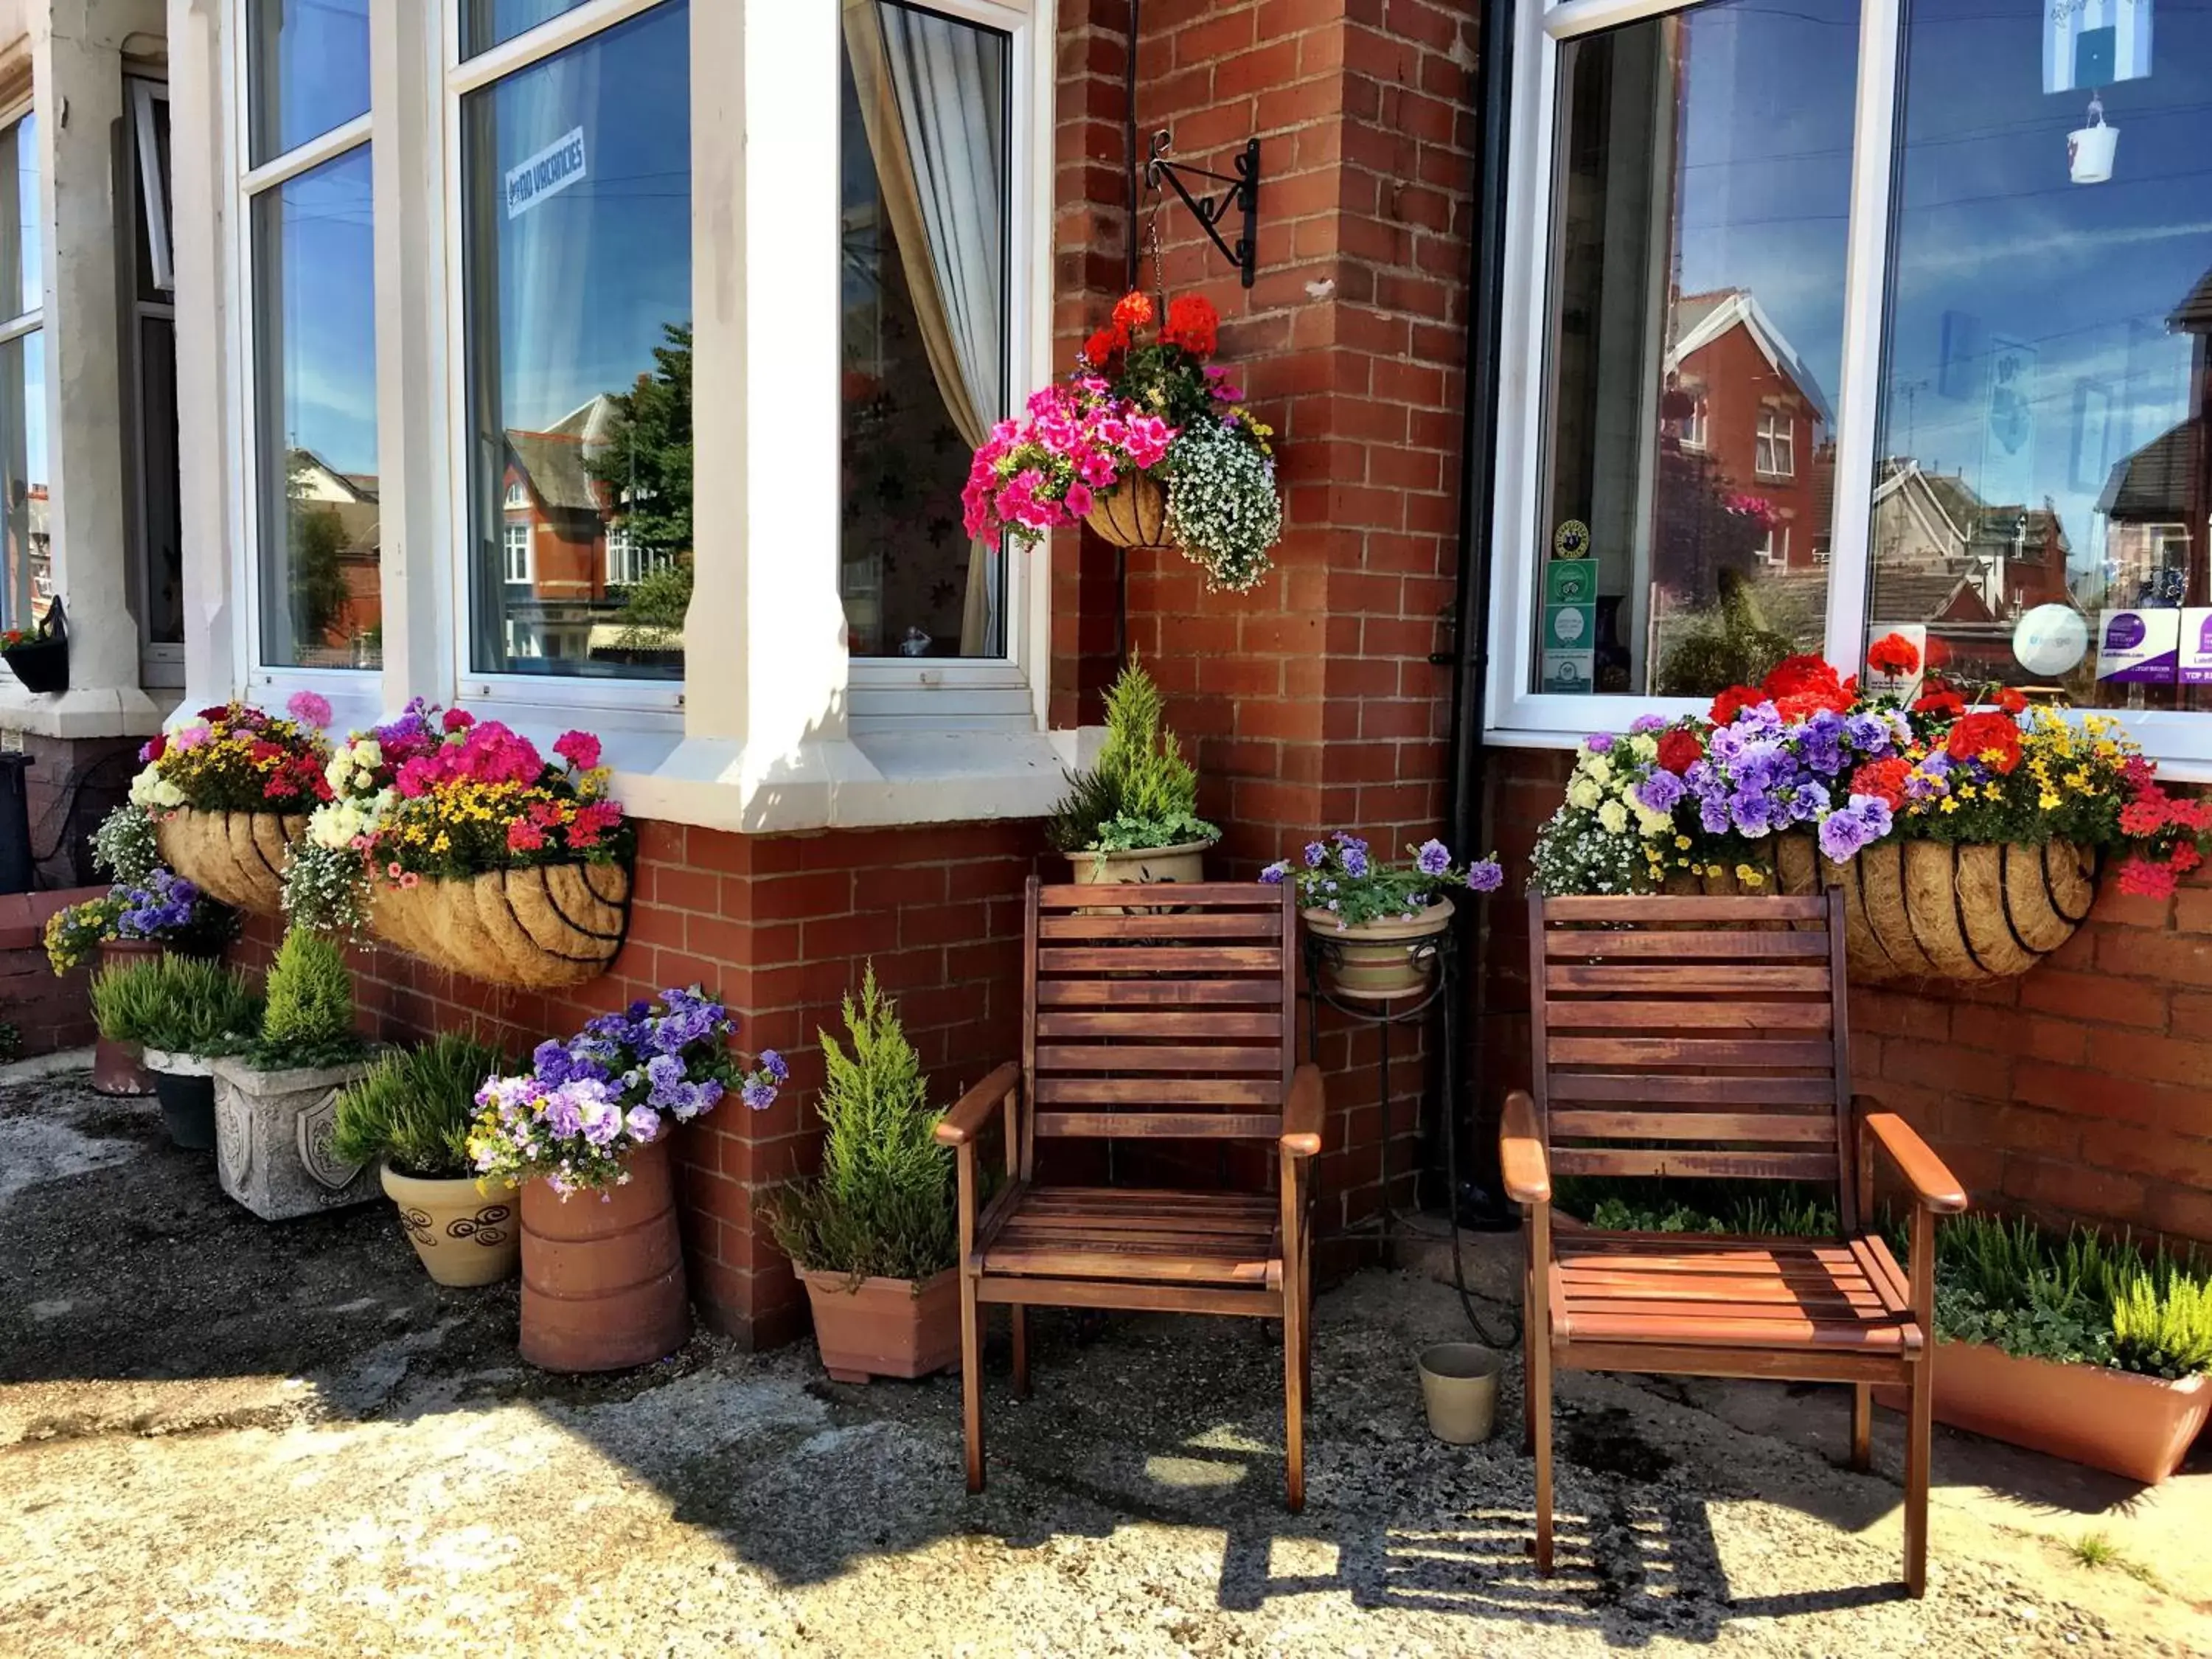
x=1486, y=876
x=1275, y=873
x=1433, y=858
x=774, y=1065
x=1315, y=854
x=1661, y=792
x=1645, y=723
x=758, y=1093
x=1355, y=861
x=1599, y=741
x=642, y=1122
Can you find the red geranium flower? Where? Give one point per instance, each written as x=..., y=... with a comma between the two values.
x=1680, y=750
x=2140, y=875
x=1884, y=778
x=1803, y=685
x=1732, y=701
x=1192, y=324
x=1132, y=312
x=2011, y=699
x=1099, y=349
x=1893, y=654
x=1940, y=700
x=1987, y=733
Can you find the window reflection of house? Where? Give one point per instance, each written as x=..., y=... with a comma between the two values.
x=1750, y=402
x=559, y=535
x=2157, y=503
x=336, y=516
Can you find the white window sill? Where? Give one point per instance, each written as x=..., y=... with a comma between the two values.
x=872, y=780
x=91, y=712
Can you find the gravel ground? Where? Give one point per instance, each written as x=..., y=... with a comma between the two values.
x=223, y=1437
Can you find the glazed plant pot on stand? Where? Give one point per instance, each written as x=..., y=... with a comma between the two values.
x=1380, y=960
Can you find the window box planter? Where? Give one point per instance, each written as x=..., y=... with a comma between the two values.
x=2141, y=1427
x=539, y=929
x=603, y=1287
x=273, y=1139
x=464, y=1235
x=1378, y=961
x=185, y=1087
x=871, y=1327
x=1928, y=910
x=40, y=657
x=236, y=857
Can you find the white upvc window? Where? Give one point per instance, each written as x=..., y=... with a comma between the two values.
x=304, y=353
x=26, y=552
x=1846, y=288
x=515, y=548
x=1776, y=446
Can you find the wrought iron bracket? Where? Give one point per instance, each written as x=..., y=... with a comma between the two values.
x=1243, y=193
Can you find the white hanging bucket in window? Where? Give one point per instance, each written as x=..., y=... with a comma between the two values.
x=2089, y=149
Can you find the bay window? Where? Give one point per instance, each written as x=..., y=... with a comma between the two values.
x=1922, y=288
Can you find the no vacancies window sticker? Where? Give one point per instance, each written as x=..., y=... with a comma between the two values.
x=550, y=172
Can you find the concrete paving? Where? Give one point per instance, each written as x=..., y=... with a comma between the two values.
x=219, y=1437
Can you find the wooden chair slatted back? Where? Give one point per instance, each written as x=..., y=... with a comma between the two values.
x=1160, y=1011
x=1693, y=1036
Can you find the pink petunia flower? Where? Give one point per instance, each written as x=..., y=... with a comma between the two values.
x=309, y=708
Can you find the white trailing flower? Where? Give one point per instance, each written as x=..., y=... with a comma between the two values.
x=1224, y=509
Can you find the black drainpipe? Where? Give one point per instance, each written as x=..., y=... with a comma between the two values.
x=1469, y=780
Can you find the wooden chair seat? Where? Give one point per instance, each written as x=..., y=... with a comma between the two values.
x=1677, y=1290
x=1154, y=1235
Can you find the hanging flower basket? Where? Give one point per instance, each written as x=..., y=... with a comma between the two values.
x=39, y=656
x=236, y=857
x=540, y=928
x=1133, y=513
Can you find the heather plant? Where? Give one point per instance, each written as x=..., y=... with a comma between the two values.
x=1141, y=793
x=414, y=1108
x=882, y=1206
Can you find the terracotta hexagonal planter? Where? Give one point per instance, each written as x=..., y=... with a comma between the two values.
x=870, y=1328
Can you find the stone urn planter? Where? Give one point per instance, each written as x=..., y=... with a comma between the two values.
x=236, y=857
x=1133, y=513
x=464, y=1235
x=603, y=1287
x=116, y=1068
x=1381, y=960
x=2141, y=1427
x=539, y=929
x=273, y=1139
x=871, y=1328
x=183, y=1084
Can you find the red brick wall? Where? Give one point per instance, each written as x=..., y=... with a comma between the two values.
x=2082, y=1092
x=49, y=1011
x=1311, y=702
x=782, y=925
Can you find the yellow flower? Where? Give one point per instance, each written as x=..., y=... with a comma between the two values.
x=443, y=843
x=1950, y=805
x=2047, y=801
x=1749, y=876
x=1682, y=840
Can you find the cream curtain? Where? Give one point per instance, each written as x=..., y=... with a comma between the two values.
x=932, y=97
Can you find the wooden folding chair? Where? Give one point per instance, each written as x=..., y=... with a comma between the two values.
x=1152, y=1013
x=1709, y=1037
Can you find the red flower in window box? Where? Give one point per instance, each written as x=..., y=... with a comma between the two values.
x=2011, y=699
x=1732, y=702
x=1884, y=780
x=1680, y=750
x=1941, y=701
x=1989, y=736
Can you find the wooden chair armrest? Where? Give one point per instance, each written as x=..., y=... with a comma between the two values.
x=1306, y=1114
x=1934, y=1186
x=1520, y=1157
x=972, y=1112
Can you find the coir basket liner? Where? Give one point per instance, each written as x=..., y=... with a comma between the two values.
x=1133, y=513
x=540, y=928
x=236, y=857
x=1928, y=910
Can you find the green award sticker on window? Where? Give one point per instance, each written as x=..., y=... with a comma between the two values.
x=1571, y=582
x=1570, y=673
x=1570, y=627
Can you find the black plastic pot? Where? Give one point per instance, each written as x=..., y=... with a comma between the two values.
x=42, y=664
x=188, y=1107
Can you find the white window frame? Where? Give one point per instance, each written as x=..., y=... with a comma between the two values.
x=31, y=322
x=509, y=542
x=892, y=692
x=146, y=221
x=355, y=694
x=1696, y=425
x=657, y=703
x=154, y=225
x=518, y=494
x=1776, y=438
x=1775, y=549
x=1515, y=714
